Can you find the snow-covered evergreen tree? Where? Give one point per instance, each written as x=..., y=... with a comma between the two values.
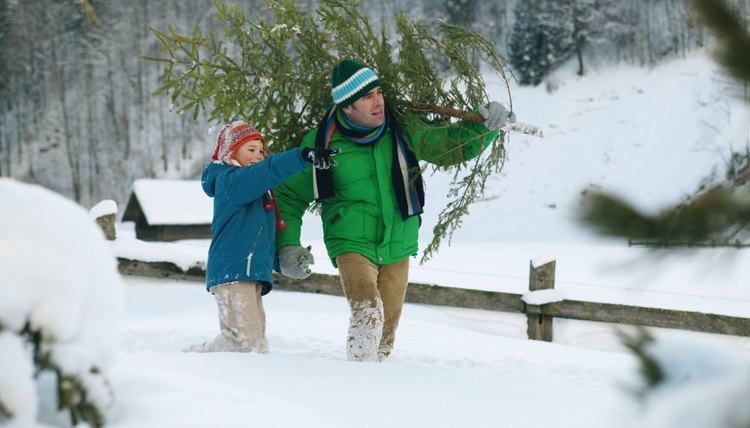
x=60, y=320
x=538, y=41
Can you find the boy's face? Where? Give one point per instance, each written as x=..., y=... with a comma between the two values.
x=369, y=110
x=249, y=152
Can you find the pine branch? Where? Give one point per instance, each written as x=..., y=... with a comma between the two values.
x=451, y=218
x=4, y=412
x=72, y=394
x=734, y=40
x=88, y=9
x=728, y=243
x=525, y=128
x=651, y=370
x=701, y=219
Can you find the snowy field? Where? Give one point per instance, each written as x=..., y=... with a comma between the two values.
x=650, y=135
x=452, y=369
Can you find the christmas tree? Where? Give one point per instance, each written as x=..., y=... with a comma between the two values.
x=273, y=71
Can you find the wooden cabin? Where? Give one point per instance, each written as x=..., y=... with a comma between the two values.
x=169, y=210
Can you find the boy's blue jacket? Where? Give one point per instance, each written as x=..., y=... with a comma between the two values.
x=243, y=233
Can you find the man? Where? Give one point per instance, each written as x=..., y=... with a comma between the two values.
x=372, y=200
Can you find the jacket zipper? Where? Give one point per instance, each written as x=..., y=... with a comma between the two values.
x=252, y=250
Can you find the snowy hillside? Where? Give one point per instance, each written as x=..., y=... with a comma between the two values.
x=650, y=135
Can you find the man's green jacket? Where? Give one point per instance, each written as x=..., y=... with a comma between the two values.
x=363, y=216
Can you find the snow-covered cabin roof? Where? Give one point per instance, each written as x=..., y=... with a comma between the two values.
x=171, y=202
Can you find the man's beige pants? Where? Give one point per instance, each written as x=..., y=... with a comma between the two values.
x=242, y=320
x=376, y=296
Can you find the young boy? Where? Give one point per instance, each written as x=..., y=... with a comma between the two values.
x=242, y=251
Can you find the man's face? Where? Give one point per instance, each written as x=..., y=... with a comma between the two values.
x=369, y=110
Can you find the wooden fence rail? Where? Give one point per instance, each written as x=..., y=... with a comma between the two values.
x=540, y=317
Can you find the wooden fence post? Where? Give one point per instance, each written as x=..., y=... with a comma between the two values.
x=107, y=224
x=539, y=326
x=105, y=215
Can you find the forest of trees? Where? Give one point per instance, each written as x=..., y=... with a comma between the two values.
x=78, y=116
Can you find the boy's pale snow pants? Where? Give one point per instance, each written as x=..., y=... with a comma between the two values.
x=242, y=320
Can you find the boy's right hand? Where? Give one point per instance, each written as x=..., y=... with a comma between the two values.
x=320, y=157
x=295, y=261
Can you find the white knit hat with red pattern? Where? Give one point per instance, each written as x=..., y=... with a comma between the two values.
x=231, y=136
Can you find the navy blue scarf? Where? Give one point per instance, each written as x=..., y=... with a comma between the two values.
x=405, y=172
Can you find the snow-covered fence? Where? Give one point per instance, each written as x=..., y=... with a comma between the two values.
x=541, y=304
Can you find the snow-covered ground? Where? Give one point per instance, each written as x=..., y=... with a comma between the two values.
x=650, y=135
x=451, y=369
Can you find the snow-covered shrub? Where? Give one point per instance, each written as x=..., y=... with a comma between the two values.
x=61, y=301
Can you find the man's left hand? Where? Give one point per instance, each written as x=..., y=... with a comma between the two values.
x=496, y=115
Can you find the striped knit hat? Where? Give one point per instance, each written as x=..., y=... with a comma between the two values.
x=351, y=80
x=231, y=137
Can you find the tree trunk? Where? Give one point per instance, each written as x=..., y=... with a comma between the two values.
x=126, y=129
x=577, y=16
x=3, y=145
x=71, y=149
x=111, y=107
x=91, y=130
